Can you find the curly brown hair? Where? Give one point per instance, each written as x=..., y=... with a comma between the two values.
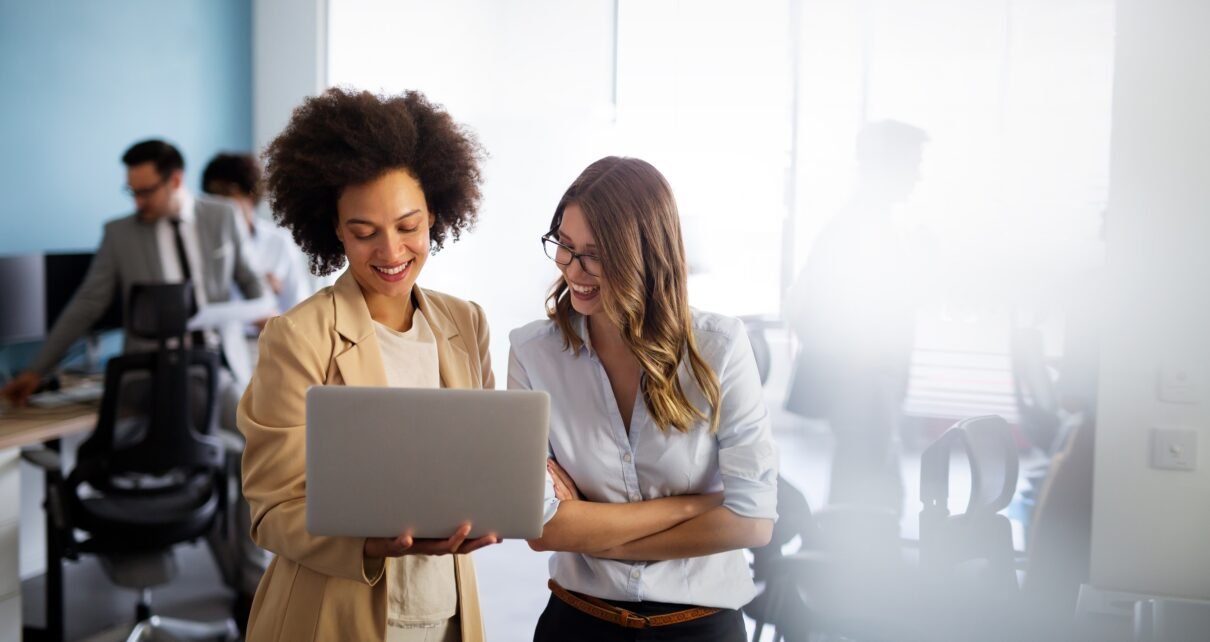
x=343, y=138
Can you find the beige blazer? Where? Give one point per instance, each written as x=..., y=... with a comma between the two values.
x=322, y=588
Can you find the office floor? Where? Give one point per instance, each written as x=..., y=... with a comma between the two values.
x=512, y=578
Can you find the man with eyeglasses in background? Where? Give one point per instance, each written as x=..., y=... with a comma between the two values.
x=171, y=237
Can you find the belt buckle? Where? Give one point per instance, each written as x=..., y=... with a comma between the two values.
x=632, y=620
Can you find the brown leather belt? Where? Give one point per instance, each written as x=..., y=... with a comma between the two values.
x=603, y=610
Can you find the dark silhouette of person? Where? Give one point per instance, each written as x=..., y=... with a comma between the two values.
x=852, y=310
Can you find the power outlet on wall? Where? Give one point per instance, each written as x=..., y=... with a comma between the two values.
x=1173, y=449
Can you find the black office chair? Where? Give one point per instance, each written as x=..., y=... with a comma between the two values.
x=779, y=603
x=840, y=583
x=968, y=562
x=150, y=476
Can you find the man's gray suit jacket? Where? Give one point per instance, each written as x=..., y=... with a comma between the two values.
x=129, y=254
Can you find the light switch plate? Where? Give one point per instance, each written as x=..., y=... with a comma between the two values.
x=1179, y=383
x=1173, y=448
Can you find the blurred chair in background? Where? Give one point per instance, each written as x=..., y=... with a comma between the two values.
x=1171, y=620
x=852, y=578
x=849, y=577
x=780, y=604
x=152, y=473
x=967, y=559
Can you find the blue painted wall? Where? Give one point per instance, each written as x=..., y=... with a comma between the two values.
x=81, y=80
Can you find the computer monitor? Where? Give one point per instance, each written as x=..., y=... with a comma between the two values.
x=22, y=298
x=64, y=273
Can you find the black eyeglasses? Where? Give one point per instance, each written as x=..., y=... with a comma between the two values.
x=564, y=255
x=143, y=192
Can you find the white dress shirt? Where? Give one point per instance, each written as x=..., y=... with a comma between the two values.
x=275, y=253
x=166, y=245
x=590, y=441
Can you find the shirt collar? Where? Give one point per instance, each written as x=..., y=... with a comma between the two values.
x=585, y=339
x=187, y=202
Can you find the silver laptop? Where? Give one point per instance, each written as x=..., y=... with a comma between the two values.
x=382, y=460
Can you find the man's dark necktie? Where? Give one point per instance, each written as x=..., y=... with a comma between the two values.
x=198, y=336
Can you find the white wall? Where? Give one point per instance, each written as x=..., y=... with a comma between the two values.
x=533, y=80
x=289, y=61
x=1151, y=528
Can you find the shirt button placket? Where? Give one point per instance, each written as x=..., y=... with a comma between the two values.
x=630, y=474
x=636, y=572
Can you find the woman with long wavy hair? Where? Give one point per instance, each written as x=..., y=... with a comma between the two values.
x=662, y=463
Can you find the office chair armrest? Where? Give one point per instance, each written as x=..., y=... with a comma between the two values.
x=57, y=517
x=44, y=458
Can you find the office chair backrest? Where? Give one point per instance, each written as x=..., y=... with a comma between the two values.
x=156, y=388
x=159, y=311
x=994, y=465
x=969, y=557
x=794, y=519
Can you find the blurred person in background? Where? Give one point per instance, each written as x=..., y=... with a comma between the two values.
x=238, y=177
x=852, y=309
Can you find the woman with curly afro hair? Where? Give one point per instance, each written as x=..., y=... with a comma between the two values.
x=377, y=183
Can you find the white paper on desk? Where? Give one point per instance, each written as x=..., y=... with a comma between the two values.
x=215, y=315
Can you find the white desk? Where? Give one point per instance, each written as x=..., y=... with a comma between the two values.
x=19, y=428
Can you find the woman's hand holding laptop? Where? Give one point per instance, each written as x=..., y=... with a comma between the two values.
x=405, y=544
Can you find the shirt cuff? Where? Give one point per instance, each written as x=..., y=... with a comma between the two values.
x=750, y=499
x=749, y=475
x=550, y=506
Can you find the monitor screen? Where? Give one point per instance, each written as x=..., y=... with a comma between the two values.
x=64, y=273
x=22, y=295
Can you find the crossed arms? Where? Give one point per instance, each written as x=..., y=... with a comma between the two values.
x=656, y=529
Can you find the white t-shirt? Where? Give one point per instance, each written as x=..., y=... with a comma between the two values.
x=421, y=590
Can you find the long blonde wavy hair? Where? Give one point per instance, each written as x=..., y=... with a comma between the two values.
x=633, y=216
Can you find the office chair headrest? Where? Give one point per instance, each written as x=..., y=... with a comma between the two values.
x=159, y=310
x=994, y=465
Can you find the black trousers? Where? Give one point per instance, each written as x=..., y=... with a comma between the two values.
x=560, y=623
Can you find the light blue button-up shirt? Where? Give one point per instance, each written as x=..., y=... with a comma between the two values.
x=590, y=442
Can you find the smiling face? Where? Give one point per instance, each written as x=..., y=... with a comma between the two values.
x=585, y=288
x=384, y=227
